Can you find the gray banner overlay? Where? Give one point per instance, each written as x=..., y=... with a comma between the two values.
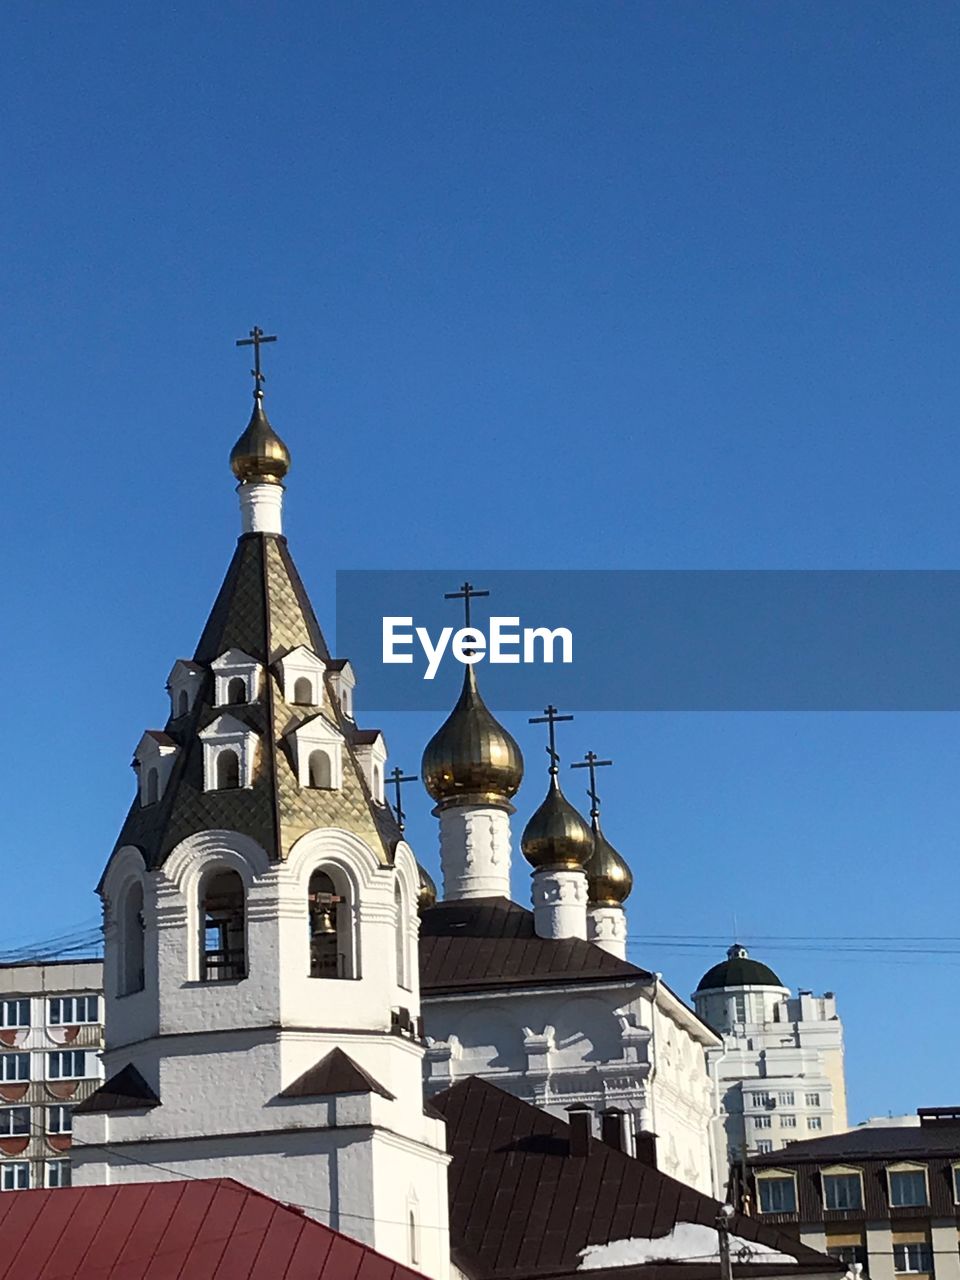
x=685, y=640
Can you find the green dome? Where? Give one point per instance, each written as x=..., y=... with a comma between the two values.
x=738, y=970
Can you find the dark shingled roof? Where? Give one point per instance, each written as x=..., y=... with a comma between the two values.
x=336, y=1072
x=263, y=610
x=485, y=943
x=871, y=1142
x=522, y=1205
x=125, y=1091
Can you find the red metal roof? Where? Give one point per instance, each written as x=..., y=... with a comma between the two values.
x=214, y=1229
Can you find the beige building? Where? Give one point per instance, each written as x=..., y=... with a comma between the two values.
x=51, y=1034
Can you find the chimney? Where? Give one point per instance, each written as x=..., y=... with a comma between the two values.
x=580, y=1120
x=614, y=1130
x=645, y=1148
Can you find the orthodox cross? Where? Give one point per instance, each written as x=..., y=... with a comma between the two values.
x=398, y=777
x=256, y=340
x=551, y=718
x=593, y=763
x=466, y=594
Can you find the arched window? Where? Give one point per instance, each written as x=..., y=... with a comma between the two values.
x=152, y=791
x=223, y=950
x=345, y=700
x=228, y=770
x=131, y=940
x=414, y=1236
x=331, y=928
x=403, y=976
x=183, y=703
x=319, y=769
x=303, y=691
x=237, y=691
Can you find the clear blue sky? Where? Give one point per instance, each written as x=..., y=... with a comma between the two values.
x=589, y=285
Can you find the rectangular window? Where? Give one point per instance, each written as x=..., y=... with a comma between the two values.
x=842, y=1191
x=14, y=1067
x=911, y=1258
x=14, y=1013
x=761, y=1099
x=777, y=1195
x=813, y=1099
x=740, y=1008
x=907, y=1187
x=785, y=1099
x=787, y=1122
x=814, y=1122
x=14, y=1122
x=60, y=1119
x=764, y=1146
x=762, y=1122
x=14, y=1175
x=71, y=1011
x=57, y=1173
x=849, y=1253
x=68, y=1064
x=956, y=1183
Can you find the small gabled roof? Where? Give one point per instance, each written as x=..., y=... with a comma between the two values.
x=125, y=1091
x=523, y=1205
x=365, y=737
x=335, y=1073
x=480, y=944
x=233, y=657
x=187, y=664
x=202, y=1229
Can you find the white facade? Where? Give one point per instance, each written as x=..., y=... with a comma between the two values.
x=628, y=1044
x=51, y=1033
x=778, y=1076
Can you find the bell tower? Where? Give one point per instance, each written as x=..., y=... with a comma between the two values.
x=260, y=907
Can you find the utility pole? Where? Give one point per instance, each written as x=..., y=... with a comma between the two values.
x=723, y=1234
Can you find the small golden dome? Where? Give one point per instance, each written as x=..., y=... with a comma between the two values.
x=556, y=835
x=471, y=758
x=609, y=878
x=427, y=896
x=260, y=454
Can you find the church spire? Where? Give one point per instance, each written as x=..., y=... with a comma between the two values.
x=260, y=459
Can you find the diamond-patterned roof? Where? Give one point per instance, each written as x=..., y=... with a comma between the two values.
x=263, y=609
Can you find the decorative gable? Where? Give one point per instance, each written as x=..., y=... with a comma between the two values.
x=344, y=682
x=229, y=754
x=301, y=677
x=153, y=761
x=183, y=684
x=370, y=750
x=318, y=753
x=236, y=679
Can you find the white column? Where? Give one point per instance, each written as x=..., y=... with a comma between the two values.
x=560, y=903
x=607, y=927
x=475, y=851
x=261, y=507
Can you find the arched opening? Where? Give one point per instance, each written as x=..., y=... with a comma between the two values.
x=345, y=701
x=318, y=769
x=223, y=955
x=152, y=790
x=400, y=936
x=237, y=691
x=131, y=940
x=228, y=770
x=377, y=783
x=183, y=702
x=414, y=1236
x=303, y=691
x=331, y=929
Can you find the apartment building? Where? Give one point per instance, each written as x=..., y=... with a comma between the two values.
x=51, y=1034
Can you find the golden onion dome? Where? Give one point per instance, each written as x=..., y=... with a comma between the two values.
x=260, y=454
x=427, y=895
x=556, y=835
x=609, y=878
x=471, y=758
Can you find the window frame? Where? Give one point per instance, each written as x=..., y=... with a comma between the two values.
x=61, y=1108
x=74, y=1007
x=12, y=1132
x=907, y=1168
x=61, y=1165
x=913, y=1271
x=20, y=1001
x=63, y=1053
x=9, y=1167
x=779, y=1176
x=837, y=1172
x=17, y=1079
x=955, y=1168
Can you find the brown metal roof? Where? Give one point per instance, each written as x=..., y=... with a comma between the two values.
x=487, y=943
x=522, y=1205
x=336, y=1072
x=125, y=1091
